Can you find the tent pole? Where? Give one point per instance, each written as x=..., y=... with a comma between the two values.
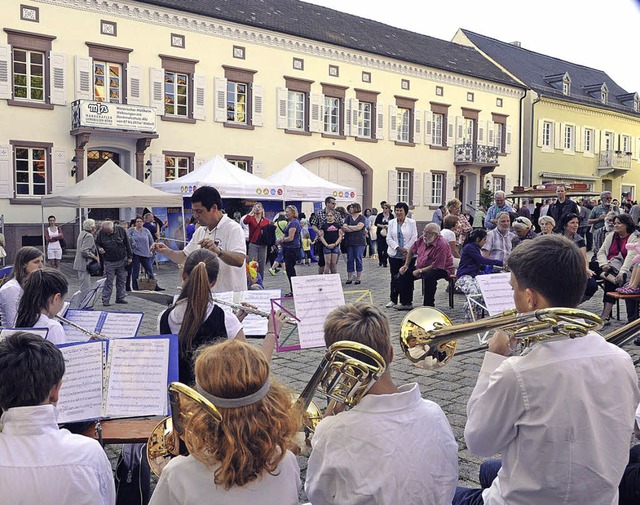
x=44, y=243
x=184, y=224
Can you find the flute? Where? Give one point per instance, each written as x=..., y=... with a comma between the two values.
x=250, y=310
x=93, y=335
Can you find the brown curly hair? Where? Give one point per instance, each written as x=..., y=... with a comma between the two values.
x=250, y=440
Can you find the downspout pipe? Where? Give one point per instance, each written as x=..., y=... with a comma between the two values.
x=531, y=139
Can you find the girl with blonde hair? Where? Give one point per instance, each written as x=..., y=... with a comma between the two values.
x=463, y=228
x=244, y=458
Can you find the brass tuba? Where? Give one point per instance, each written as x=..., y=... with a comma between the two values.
x=345, y=374
x=428, y=339
x=164, y=442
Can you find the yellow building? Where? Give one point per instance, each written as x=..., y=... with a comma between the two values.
x=578, y=125
x=161, y=86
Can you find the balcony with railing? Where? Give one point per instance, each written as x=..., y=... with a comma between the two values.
x=614, y=161
x=473, y=154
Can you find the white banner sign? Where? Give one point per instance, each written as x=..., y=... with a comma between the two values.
x=113, y=116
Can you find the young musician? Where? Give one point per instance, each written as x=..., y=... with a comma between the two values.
x=40, y=463
x=561, y=414
x=244, y=459
x=28, y=259
x=43, y=298
x=393, y=446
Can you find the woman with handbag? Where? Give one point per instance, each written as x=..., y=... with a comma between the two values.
x=141, y=242
x=86, y=260
x=257, y=248
x=55, y=238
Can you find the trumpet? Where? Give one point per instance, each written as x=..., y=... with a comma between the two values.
x=93, y=335
x=250, y=310
x=428, y=339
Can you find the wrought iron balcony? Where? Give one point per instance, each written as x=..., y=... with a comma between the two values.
x=472, y=153
x=616, y=160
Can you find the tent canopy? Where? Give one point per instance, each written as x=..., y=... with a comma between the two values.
x=302, y=184
x=229, y=180
x=110, y=186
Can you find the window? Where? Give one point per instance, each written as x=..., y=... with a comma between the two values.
x=547, y=131
x=176, y=166
x=498, y=136
x=331, y=121
x=242, y=162
x=498, y=184
x=625, y=143
x=604, y=95
x=32, y=169
x=439, y=91
x=436, y=128
x=588, y=140
x=176, y=94
x=181, y=93
x=437, y=188
x=404, y=122
x=107, y=82
x=470, y=97
x=296, y=110
x=365, y=119
x=237, y=94
x=404, y=181
x=636, y=104
x=498, y=102
x=437, y=134
x=28, y=75
x=568, y=138
x=566, y=87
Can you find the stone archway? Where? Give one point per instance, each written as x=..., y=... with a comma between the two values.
x=365, y=170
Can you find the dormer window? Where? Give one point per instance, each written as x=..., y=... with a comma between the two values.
x=560, y=81
x=636, y=104
x=599, y=92
x=566, y=85
x=604, y=95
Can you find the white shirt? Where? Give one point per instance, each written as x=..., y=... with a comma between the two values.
x=228, y=236
x=499, y=245
x=561, y=416
x=56, y=333
x=188, y=481
x=176, y=316
x=409, y=232
x=41, y=464
x=389, y=449
x=10, y=294
x=448, y=235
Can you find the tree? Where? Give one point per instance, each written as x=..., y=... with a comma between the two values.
x=485, y=197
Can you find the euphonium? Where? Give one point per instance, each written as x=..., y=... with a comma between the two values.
x=345, y=374
x=164, y=441
x=428, y=338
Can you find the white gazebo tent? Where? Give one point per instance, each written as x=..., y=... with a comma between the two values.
x=229, y=180
x=110, y=186
x=301, y=184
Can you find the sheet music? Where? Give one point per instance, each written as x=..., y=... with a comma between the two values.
x=121, y=324
x=254, y=324
x=87, y=319
x=81, y=393
x=137, y=371
x=5, y=332
x=497, y=292
x=314, y=296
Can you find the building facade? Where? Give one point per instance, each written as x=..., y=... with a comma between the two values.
x=160, y=90
x=578, y=125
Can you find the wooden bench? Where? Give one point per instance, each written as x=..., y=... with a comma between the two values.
x=621, y=296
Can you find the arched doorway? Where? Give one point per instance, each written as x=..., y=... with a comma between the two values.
x=95, y=159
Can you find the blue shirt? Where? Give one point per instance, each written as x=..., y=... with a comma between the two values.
x=493, y=212
x=472, y=262
x=295, y=243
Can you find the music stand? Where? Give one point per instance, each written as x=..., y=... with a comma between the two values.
x=90, y=298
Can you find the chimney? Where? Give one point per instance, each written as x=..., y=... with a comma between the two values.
x=516, y=43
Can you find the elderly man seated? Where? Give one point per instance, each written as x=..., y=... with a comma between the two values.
x=434, y=261
x=523, y=229
x=498, y=245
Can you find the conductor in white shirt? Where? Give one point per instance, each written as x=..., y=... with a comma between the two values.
x=218, y=233
x=39, y=463
x=561, y=414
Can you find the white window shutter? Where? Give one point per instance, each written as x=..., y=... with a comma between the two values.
x=157, y=168
x=578, y=139
x=637, y=149
x=282, y=99
x=540, y=132
x=450, y=131
x=459, y=130
x=392, y=190
x=199, y=97
x=6, y=171
x=257, y=112
x=316, y=119
x=134, y=84
x=557, y=135
x=508, y=141
x=428, y=129
x=417, y=189
x=84, y=78
x=508, y=185
x=481, y=133
x=257, y=168
x=156, y=94
x=355, y=114
x=393, y=120
x=220, y=106
x=348, y=105
x=379, y=121
x=490, y=134
x=60, y=170
x=596, y=141
x=417, y=127
x=5, y=72
x=198, y=162
x=58, y=77
x=426, y=189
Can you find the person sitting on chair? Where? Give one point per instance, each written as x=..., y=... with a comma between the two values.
x=400, y=442
x=562, y=430
x=40, y=463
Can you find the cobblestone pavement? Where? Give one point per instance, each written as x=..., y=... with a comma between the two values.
x=450, y=386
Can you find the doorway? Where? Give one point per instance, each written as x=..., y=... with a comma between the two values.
x=95, y=159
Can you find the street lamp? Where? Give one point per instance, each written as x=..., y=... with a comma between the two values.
x=74, y=169
x=147, y=172
x=488, y=183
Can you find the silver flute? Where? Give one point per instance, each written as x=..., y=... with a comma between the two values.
x=250, y=310
x=93, y=335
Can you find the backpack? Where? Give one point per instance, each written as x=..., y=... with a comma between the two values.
x=268, y=235
x=133, y=476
